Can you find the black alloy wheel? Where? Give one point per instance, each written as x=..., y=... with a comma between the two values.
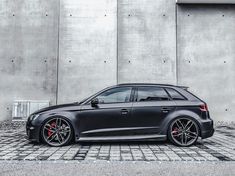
x=57, y=132
x=183, y=132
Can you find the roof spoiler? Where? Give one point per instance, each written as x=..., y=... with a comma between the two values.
x=183, y=87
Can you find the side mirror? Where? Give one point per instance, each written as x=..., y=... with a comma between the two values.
x=94, y=102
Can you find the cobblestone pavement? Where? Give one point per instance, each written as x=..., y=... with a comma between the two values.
x=220, y=147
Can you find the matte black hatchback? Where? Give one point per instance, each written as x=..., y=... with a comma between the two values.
x=125, y=112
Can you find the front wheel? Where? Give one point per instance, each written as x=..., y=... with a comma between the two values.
x=57, y=132
x=183, y=132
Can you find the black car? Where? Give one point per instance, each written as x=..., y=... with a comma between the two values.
x=125, y=112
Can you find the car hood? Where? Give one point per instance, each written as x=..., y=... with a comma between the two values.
x=55, y=107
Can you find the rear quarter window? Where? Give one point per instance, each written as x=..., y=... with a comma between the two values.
x=175, y=95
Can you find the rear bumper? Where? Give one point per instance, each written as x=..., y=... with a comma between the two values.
x=207, y=128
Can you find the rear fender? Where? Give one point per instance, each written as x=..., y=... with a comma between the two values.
x=177, y=114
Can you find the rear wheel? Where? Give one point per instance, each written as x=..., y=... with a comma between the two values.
x=57, y=132
x=183, y=132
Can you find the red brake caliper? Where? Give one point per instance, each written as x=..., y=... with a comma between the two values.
x=53, y=124
x=175, y=130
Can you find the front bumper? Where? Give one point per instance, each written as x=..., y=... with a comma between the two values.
x=207, y=128
x=32, y=132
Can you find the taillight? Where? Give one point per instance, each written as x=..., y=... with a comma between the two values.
x=204, y=107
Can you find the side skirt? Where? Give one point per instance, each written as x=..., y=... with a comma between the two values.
x=124, y=138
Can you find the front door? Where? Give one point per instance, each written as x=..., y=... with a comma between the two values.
x=108, y=117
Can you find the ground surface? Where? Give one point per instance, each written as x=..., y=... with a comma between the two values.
x=114, y=168
x=220, y=147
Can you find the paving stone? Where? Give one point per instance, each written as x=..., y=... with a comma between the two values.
x=14, y=146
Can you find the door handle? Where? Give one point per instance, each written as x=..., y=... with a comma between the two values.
x=124, y=111
x=165, y=110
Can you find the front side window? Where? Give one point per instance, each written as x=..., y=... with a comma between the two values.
x=174, y=94
x=115, y=95
x=151, y=94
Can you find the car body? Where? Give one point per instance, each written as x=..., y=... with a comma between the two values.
x=134, y=111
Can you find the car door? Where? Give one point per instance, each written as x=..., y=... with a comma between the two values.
x=151, y=105
x=108, y=117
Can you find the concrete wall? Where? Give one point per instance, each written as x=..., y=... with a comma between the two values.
x=206, y=55
x=88, y=48
x=100, y=43
x=146, y=41
x=28, y=51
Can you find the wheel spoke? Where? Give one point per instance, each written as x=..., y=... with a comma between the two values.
x=189, y=127
x=188, y=124
x=177, y=135
x=58, y=122
x=52, y=137
x=66, y=131
x=191, y=136
x=49, y=126
x=182, y=138
x=192, y=133
x=58, y=138
x=51, y=130
x=181, y=124
x=59, y=134
x=185, y=136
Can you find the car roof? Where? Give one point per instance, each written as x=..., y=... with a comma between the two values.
x=151, y=84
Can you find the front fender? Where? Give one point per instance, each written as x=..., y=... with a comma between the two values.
x=70, y=116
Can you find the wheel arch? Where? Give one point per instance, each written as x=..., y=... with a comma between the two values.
x=66, y=116
x=179, y=114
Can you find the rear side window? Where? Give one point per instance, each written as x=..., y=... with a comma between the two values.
x=175, y=95
x=151, y=94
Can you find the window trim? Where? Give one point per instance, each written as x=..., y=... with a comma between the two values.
x=177, y=92
x=89, y=102
x=136, y=94
x=205, y=2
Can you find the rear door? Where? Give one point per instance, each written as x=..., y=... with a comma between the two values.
x=151, y=105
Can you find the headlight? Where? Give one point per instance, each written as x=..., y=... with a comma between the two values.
x=33, y=117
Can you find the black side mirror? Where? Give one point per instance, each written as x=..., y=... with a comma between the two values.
x=94, y=102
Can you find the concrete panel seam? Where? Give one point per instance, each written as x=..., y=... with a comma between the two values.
x=58, y=54
x=117, y=41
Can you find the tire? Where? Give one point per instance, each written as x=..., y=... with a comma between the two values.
x=183, y=132
x=57, y=131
